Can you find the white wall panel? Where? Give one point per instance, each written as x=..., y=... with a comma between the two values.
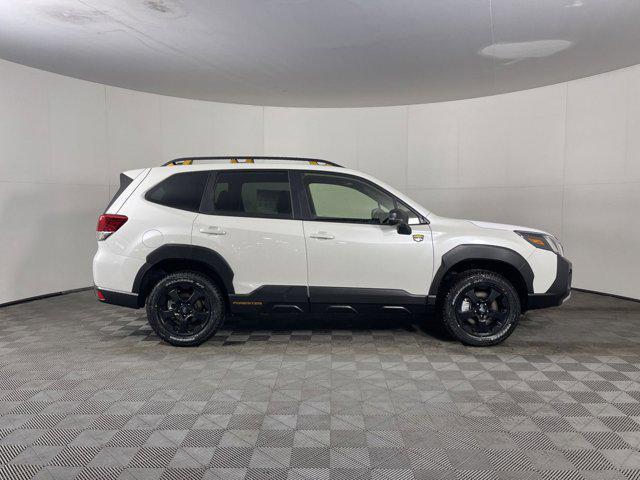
x=237, y=130
x=133, y=131
x=48, y=237
x=513, y=139
x=565, y=158
x=185, y=127
x=602, y=234
x=24, y=124
x=381, y=135
x=433, y=159
x=632, y=160
x=523, y=206
x=597, y=128
x=77, y=124
x=326, y=133
x=533, y=128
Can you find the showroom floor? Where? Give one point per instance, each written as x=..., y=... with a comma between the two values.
x=87, y=392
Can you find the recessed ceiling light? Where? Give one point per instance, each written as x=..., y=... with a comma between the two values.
x=513, y=52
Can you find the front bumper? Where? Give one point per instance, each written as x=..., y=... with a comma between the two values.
x=559, y=291
x=121, y=299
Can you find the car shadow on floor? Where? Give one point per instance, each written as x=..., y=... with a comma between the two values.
x=304, y=325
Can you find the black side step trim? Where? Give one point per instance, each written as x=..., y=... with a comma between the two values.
x=287, y=299
x=351, y=295
x=299, y=299
x=286, y=309
x=340, y=309
x=395, y=308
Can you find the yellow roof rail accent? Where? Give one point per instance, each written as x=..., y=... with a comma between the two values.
x=236, y=159
x=173, y=163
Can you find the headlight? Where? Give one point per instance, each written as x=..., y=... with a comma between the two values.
x=540, y=240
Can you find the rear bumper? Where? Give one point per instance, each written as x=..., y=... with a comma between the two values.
x=121, y=299
x=559, y=291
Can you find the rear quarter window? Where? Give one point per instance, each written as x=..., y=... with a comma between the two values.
x=182, y=191
x=125, y=181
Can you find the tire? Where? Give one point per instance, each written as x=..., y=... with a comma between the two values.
x=480, y=308
x=185, y=308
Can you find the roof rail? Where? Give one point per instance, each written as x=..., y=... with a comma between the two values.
x=249, y=159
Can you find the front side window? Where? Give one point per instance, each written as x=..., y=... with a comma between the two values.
x=252, y=194
x=348, y=199
x=183, y=191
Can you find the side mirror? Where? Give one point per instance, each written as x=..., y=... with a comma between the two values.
x=401, y=219
x=404, y=229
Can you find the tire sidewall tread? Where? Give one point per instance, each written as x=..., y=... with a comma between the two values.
x=215, y=297
x=461, y=283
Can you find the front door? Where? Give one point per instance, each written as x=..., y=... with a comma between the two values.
x=353, y=257
x=249, y=222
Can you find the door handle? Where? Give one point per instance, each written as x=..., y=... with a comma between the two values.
x=212, y=231
x=322, y=236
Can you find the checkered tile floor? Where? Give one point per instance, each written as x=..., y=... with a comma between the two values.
x=87, y=392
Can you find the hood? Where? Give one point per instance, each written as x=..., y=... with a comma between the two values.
x=504, y=226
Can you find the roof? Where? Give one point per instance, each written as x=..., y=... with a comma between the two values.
x=266, y=162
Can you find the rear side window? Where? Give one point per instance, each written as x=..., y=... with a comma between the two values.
x=183, y=191
x=252, y=194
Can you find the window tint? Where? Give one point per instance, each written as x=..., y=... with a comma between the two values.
x=347, y=199
x=183, y=191
x=252, y=194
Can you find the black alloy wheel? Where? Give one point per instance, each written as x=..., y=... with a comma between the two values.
x=481, y=308
x=185, y=308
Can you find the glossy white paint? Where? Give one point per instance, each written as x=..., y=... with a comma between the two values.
x=260, y=251
x=120, y=257
x=544, y=266
x=137, y=177
x=449, y=233
x=368, y=256
x=263, y=251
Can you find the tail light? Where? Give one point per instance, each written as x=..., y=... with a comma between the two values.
x=107, y=224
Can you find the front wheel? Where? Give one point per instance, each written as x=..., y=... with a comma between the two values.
x=481, y=308
x=185, y=308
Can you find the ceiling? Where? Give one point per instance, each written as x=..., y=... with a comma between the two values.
x=322, y=53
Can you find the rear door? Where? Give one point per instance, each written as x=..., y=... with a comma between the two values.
x=353, y=257
x=248, y=217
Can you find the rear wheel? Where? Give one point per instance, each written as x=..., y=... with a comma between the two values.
x=185, y=308
x=481, y=308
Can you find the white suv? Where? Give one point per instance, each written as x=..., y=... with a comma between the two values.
x=199, y=238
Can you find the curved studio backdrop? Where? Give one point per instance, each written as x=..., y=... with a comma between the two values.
x=564, y=158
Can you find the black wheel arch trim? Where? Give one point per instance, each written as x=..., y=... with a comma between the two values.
x=210, y=258
x=470, y=252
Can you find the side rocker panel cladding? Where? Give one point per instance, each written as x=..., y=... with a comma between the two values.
x=463, y=253
x=187, y=252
